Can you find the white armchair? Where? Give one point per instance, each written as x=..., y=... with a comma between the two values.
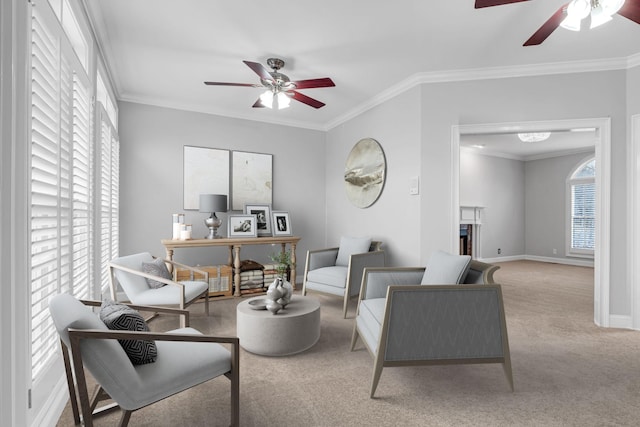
x=185, y=358
x=128, y=272
x=338, y=271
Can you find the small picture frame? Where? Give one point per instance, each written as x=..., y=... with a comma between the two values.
x=281, y=223
x=242, y=226
x=262, y=212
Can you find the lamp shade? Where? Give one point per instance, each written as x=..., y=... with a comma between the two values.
x=213, y=203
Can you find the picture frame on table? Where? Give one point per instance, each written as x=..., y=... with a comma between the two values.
x=262, y=211
x=281, y=223
x=242, y=226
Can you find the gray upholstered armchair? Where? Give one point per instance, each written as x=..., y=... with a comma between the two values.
x=455, y=316
x=338, y=271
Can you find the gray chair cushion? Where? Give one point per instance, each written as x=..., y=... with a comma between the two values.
x=446, y=269
x=350, y=246
x=370, y=319
x=120, y=317
x=158, y=268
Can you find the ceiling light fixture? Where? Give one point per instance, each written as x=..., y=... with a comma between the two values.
x=534, y=136
x=600, y=11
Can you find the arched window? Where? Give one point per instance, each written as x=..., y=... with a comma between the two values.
x=581, y=194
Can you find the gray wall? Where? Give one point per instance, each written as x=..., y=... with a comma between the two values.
x=498, y=185
x=546, y=204
x=395, y=218
x=151, y=145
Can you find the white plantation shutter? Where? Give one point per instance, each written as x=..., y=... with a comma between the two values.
x=50, y=172
x=61, y=181
x=82, y=190
x=109, y=196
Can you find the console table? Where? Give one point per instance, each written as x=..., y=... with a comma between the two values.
x=234, y=245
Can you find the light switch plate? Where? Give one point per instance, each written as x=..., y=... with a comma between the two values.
x=414, y=185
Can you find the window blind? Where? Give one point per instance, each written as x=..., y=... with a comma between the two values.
x=583, y=216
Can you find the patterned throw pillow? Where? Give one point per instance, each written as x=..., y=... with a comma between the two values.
x=157, y=268
x=120, y=317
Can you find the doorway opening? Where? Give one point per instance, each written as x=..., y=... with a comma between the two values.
x=602, y=129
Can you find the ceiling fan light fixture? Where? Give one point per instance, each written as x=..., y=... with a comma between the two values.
x=571, y=23
x=599, y=16
x=267, y=98
x=283, y=100
x=534, y=136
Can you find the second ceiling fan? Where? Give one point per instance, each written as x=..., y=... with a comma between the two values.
x=280, y=89
x=571, y=14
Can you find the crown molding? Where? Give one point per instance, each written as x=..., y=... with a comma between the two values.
x=488, y=73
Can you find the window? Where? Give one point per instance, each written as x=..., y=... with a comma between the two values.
x=582, y=209
x=73, y=181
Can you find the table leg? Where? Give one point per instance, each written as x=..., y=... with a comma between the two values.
x=293, y=265
x=170, y=258
x=236, y=265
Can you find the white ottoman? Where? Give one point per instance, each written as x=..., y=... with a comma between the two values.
x=292, y=330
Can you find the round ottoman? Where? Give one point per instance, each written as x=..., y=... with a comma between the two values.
x=292, y=330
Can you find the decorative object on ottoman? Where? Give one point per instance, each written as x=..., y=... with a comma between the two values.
x=280, y=291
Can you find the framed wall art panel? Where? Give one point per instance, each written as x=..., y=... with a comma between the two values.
x=252, y=179
x=206, y=171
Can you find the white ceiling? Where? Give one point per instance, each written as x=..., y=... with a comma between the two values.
x=508, y=145
x=161, y=51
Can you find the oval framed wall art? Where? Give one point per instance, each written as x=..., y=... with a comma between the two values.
x=365, y=173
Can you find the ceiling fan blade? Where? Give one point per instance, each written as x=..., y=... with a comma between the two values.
x=306, y=100
x=548, y=27
x=489, y=3
x=231, y=84
x=259, y=70
x=631, y=10
x=258, y=104
x=311, y=83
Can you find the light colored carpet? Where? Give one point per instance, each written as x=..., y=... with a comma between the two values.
x=567, y=371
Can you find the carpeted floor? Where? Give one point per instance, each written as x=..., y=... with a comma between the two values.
x=567, y=371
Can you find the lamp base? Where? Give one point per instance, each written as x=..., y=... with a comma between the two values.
x=213, y=222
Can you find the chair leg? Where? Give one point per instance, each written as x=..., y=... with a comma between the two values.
x=206, y=304
x=124, y=420
x=70, y=384
x=345, y=305
x=354, y=337
x=377, y=371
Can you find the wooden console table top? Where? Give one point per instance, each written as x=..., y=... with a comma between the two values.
x=234, y=244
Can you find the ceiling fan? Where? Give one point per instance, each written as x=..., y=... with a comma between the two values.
x=280, y=89
x=570, y=15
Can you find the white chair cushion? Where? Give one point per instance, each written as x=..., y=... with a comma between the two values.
x=170, y=294
x=350, y=246
x=446, y=269
x=105, y=359
x=132, y=284
x=335, y=276
x=179, y=366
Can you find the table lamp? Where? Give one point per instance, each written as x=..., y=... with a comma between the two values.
x=213, y=203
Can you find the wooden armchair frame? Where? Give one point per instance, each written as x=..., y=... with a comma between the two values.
x=183, y=304
x=88, y=407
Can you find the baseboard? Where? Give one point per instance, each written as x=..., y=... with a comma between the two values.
x=620, y=321
x=565, y=261
x=49, y=414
